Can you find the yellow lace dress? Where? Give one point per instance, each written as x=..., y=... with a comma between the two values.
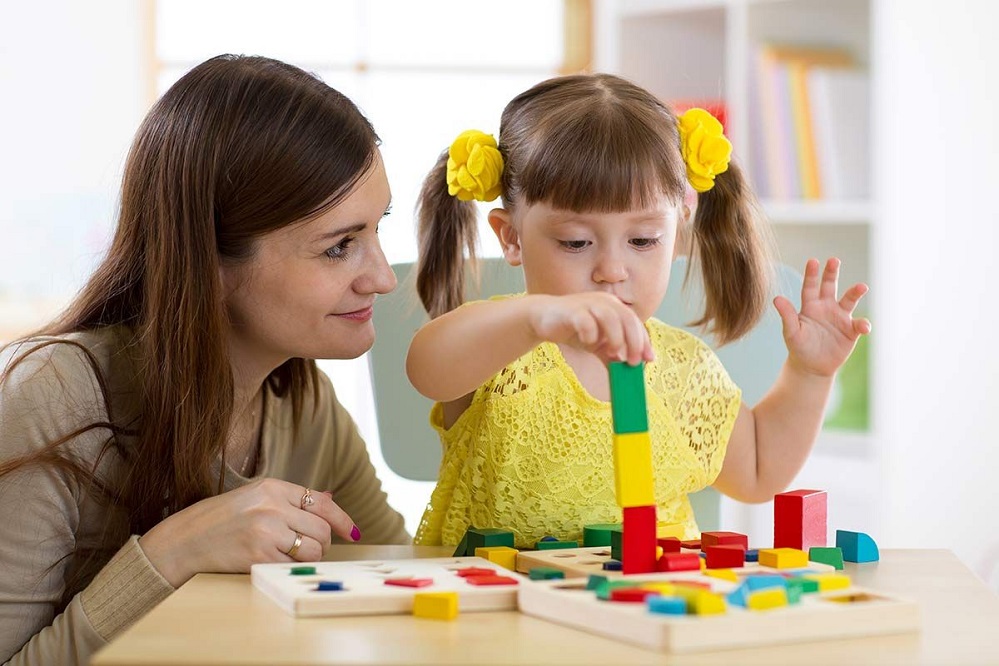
x=533, y=451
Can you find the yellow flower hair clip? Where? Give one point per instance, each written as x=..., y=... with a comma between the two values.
x=474, y=167
x=705, y=148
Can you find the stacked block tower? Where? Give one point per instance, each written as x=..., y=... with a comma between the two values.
x=633, y=482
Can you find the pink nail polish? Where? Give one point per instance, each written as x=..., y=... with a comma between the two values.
x=355, y=533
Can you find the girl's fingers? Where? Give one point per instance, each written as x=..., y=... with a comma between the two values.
x=636, y=338
x=612, y=335
x=810, y=284
x=852, y=297
x=862, y=326
x=585, y=327
x=830, y=279
x=788, y=316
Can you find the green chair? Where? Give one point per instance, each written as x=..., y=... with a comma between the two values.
x=412, y=449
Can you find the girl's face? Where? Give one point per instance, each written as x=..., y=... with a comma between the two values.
x=308, y=290
x=627, y=254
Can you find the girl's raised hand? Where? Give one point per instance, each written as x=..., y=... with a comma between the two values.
x=821, y=337
x=596, y=322
x=258, y=522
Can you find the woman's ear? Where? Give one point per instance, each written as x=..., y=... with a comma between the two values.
x=502, y=224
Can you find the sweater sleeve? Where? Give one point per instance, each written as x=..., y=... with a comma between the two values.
x=355, y=485
x=51, y=394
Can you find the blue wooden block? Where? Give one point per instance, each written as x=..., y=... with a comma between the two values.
x=763, y=582
x=738, y=596
x=753, y=555
x=612, y=565
x=329, y=586
x=666, y=605
x=857, y=546
x=548, y=538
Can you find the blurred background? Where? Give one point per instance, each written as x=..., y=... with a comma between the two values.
x=867, y=128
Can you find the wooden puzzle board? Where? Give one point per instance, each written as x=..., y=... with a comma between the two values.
x=815, y=617
x=365, y=591
x=575, y=562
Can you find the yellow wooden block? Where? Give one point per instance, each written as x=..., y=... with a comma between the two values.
x=505, y=556
x=633, y=469
x=436, y=605
x=724, y=574
x=830, y=581
x=774, y=597
x=703, y=602
x=659, y=552
x=704, y=565
x=665, y=589
x=664, y=530
x=783, y=558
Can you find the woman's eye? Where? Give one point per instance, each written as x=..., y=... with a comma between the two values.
x=644, y=242
x=339, y=251
x=574, y=245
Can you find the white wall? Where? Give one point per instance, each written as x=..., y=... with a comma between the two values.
x=71, y=97
x=937, y=355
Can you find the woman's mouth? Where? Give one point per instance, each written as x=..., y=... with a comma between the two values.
x=357, y=315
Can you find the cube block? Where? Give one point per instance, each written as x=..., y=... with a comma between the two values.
x=800, y=519
x=436, y=605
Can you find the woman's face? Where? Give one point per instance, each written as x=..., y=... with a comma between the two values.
x=308, y=290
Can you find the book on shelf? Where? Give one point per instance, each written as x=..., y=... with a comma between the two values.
x=809, y=121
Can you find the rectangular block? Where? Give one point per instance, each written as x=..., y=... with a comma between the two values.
x=436, y=605
x=783, y=558
x=669, y=544
x=638, y=549
x=679, y=562
x=800, y=519
x=504, y=556
x=633, y=485
x=724, y=539
x=725, y=556
x=627, y=389
x=599, y=535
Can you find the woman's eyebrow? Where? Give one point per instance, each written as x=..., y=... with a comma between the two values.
x=341, y=232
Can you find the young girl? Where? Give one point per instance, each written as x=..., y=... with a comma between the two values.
x=172, y=420
x=592, y=171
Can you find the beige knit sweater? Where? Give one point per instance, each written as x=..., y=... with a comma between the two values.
x=47, y=521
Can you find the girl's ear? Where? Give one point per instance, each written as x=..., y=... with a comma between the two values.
x=500, y=221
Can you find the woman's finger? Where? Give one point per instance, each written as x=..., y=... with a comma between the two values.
x=299, y=548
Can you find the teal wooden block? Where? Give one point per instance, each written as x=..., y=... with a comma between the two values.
x=857, y=546
x=627, y=388
x=764, y=581
x=831, y=556
x=595, y=581
x=599, y=535
x=666, y=605
x=617, y=538
x=807, y=585
x=462, y=549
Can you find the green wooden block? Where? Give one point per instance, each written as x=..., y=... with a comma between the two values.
x=480, y=537
x=616, y=539
x=303, y=571
x=831, y=556
x=794, y=592
x=556, y=545
x=545, y=573
x=604, y=589
x=807, y=585
x=627, y=388
x=599, y=535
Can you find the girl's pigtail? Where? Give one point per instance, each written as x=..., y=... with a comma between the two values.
x=734, y=250
x=447, y=229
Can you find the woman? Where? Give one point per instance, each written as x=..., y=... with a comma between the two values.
x=177, y=398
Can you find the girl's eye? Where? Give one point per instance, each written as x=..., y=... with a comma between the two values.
x=339, y=251
x=574, y=245
x=645, y=242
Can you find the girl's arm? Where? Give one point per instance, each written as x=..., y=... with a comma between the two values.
x=456, y=353
x=770, y=442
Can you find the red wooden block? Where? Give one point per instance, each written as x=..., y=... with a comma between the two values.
x=724, y=539
x=800, y=519
x=725, y=557
x=630, y=594
x=694, y=544
x=679, y=562
x=638, y=539
x=669, y=544
x=409, y=582
x=475, y=571
x=490, y=580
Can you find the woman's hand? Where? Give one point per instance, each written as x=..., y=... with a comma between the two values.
x=259, y=522
x=595, y=322
x=821, y=337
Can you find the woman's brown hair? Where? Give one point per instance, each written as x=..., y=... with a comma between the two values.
x=598, y=143
x=238, y=147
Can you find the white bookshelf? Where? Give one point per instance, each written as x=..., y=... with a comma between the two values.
x=704, y=49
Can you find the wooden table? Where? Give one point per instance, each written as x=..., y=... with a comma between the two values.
x=223, y=619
